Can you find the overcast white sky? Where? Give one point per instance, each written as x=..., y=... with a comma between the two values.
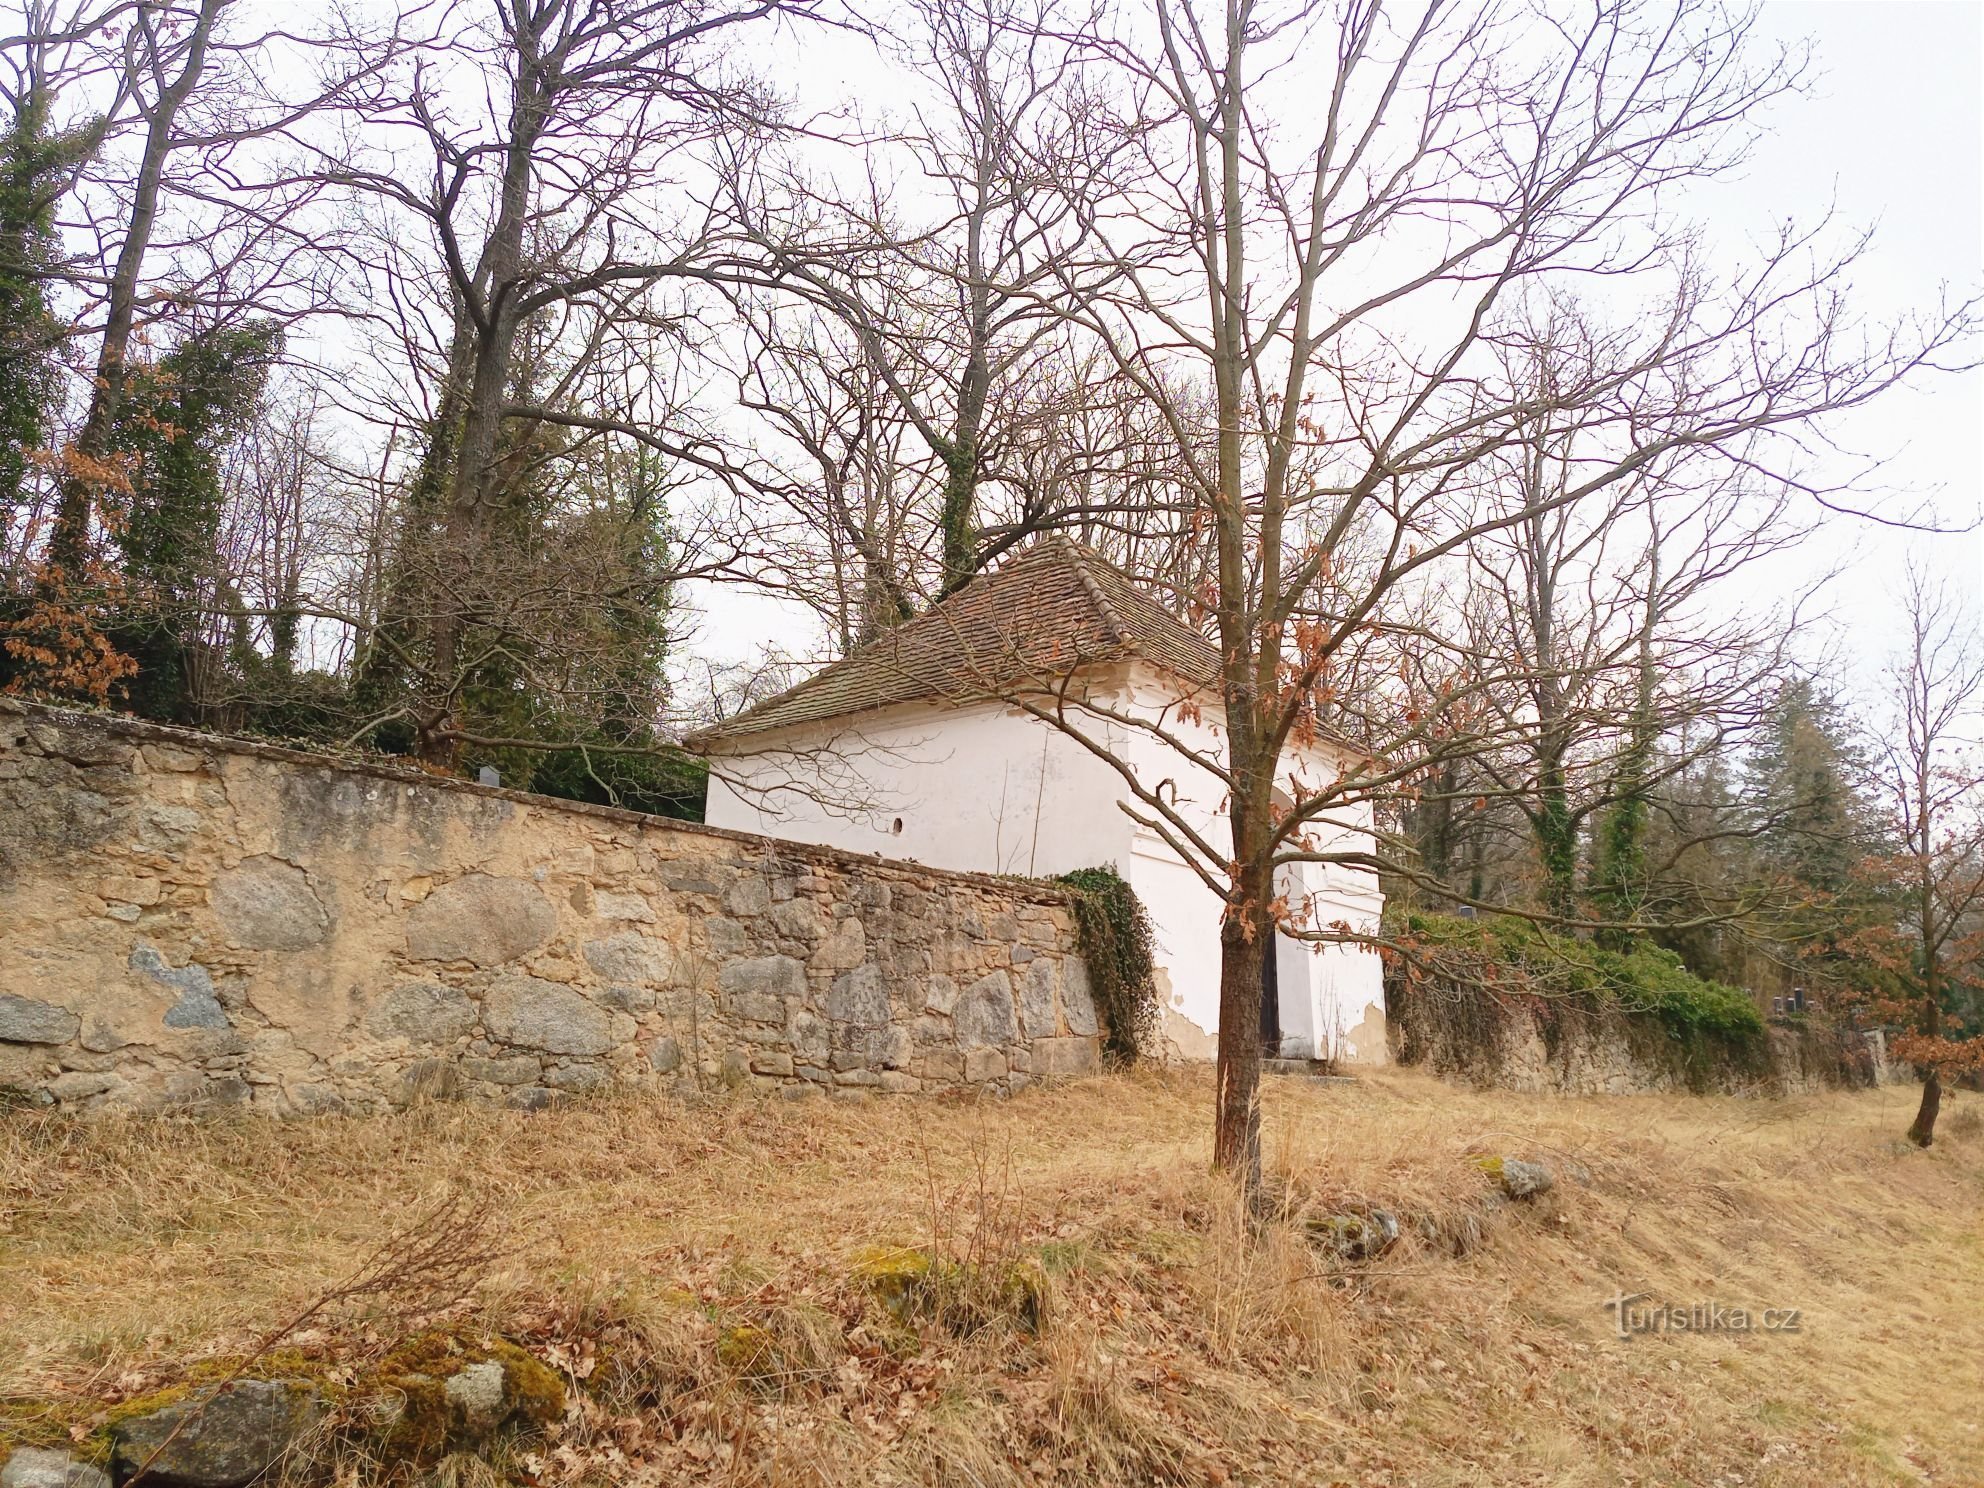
x=1893, y=135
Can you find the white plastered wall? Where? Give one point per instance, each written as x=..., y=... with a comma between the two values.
x=982, y=788
x=1332, y=1000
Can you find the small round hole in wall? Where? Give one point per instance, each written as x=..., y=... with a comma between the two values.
x=895, y=827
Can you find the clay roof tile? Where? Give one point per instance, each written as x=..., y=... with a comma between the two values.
x=1052, y=608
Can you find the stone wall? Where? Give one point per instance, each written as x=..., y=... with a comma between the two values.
x=189, y=919
x=1539, y=1045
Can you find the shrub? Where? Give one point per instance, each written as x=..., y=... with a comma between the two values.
x=1114, y=935
x=1700, y=1024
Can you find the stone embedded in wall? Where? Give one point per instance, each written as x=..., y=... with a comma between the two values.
x=799, y=919
x=165, y=829
x=1038, y=1017
x=844, y=949
x=610, y=906
x=750, y=895
x=1077, y=1002
x=325, y=939
x=984, y=1015
x=940, y=994
x=859, y=997
x=267, y=904
x=757, y=987
x=141, y=892
x=517, y=1069
x=76, y=1085
x=51, y=810
x=481, y=919
x=198, y=1005
x=628, y=997
x=981, y=1065
x=531, y=1013
x=629, y=957
x=890, y=1048
x=808, y=1035
x=23, y=1020
x=576, y=1079
x=423, y=1013
x=726, y=938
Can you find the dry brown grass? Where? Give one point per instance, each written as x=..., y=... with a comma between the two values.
x=700, y=1270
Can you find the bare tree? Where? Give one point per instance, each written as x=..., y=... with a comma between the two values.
x=1928, y=779
x=1348, y=349
x=189, y=86
x=1607, y=613
x=947, y=265
x=531, y=326
x=815, y=388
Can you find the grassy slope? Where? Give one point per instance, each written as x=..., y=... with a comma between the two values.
x=642, y=1237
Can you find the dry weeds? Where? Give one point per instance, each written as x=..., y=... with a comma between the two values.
x=700, y=1272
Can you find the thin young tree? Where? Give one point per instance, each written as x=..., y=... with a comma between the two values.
x=1928, y=779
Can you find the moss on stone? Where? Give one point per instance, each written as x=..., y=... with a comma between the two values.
x=960, y=1298
x=748, y=1351
x=536, y=1393
x=893, y=1270
x=427, y=1423
x=58, y=1425
x=84, y=1428
x=103, y=1426
x=1023, y=1294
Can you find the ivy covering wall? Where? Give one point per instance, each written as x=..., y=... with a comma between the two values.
x=1114, y=936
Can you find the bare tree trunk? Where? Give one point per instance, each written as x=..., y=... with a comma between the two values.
x=490, y=304
x=958, y=516
x=1246, y=936
x=1923, y=1132
x=1556, y=829
x=68, y=543
x=1249, y=649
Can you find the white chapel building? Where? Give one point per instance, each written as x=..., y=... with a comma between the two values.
x=915, y=747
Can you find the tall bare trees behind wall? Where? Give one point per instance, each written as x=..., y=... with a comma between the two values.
x=381, y=382
x=922, y=269
x=532, y=163
x=161, y=140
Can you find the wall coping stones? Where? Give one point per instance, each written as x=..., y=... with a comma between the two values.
x=144, y=731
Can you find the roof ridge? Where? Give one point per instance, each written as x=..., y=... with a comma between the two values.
x=1119, y=632
x=1026, y=610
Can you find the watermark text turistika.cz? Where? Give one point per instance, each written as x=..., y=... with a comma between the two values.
x=1635, y=1315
